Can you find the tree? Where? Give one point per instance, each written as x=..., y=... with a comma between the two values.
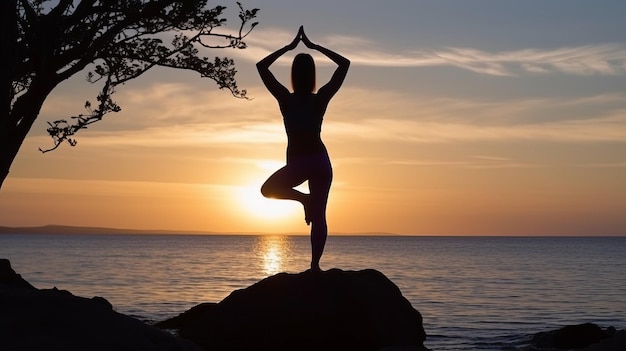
x=44, y=42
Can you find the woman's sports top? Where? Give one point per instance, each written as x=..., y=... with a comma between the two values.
x=302, y=115
x=303, y=124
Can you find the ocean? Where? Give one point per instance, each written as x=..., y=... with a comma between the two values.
x=474, y=293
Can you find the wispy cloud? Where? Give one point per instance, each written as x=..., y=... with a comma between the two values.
x=179, y=120
x=604, y=165
x=476, y=162
x=185, y=135
x=606, y=59
x=602, y=59
x=609, y=129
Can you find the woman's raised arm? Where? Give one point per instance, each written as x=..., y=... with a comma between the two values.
x=271, y=83
x=327, y=91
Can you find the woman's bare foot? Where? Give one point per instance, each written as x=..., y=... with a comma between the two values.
x=315, y=267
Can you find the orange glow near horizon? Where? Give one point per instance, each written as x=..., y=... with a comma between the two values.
x=270, y=210
x=403, y=163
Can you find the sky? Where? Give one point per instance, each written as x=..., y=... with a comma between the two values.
x=480, y=117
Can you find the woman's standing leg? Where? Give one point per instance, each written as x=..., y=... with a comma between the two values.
x=319, y=188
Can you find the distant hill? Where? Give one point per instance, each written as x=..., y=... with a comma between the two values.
x=63, y=229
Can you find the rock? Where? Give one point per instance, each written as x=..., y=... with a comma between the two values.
x=332, y=310
x=571, y=337
x=10, y=279
x=616, y=342
x=51, y=319
x=186, y=317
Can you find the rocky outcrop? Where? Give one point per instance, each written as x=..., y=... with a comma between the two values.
x=50, y=319
x=331, y=310
x=186, y=317
x=584, y=337
x=615, y=342
x=10, y=279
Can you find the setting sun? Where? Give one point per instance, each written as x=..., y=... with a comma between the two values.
x=253, y=202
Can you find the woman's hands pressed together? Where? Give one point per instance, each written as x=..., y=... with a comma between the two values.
x=301, y=36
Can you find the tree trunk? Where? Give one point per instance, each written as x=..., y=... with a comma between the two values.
x=8, y=47
x=9, y=147
x=20, y=119
x=17, y=115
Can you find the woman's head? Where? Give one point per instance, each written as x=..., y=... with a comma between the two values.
x=303, y=74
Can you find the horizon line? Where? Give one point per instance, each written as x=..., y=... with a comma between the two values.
x=58, y=229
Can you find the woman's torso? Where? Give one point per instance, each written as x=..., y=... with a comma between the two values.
x=303, y=116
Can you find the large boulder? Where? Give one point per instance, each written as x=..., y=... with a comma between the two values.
x=332, y=310
x=50, y=319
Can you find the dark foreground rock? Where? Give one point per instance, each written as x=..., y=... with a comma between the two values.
x=584, y=337
x=332, y=310
x=49, y=319
x=616, y=342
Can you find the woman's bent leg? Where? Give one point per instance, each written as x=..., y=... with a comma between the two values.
x=280, y=185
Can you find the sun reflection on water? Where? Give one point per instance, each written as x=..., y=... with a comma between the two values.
x=273, y=251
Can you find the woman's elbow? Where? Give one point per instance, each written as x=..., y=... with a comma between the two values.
x=346, y=63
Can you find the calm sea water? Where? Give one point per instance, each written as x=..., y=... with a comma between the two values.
x=476, y=293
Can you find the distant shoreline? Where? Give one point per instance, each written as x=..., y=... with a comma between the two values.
x=63, y=229
x=54, y=229
x=75, y=230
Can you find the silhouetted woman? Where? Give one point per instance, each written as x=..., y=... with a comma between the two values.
x=307, y=158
